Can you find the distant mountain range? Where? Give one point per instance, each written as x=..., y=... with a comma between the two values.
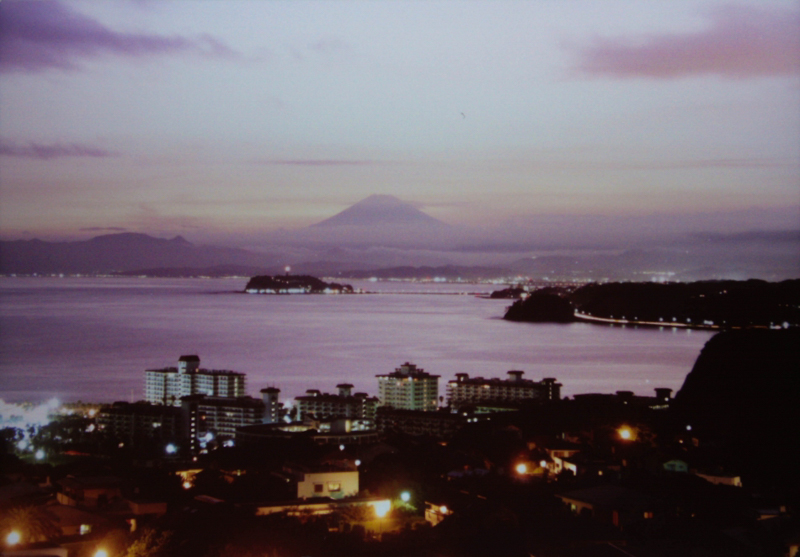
x=382, y=236
x=119, y=253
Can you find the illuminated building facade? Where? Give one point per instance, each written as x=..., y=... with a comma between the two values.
x=409, y=388
x=345, y=404
x=168, y=385
x=465, y=390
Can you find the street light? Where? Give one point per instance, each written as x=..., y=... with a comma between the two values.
x=100, y=553
x=13, y=537
x=521, y=468
x=625, y=433
x=405, y=497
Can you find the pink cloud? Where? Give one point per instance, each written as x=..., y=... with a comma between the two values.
x=55, y=151
x=740, y=42
x=40, y=34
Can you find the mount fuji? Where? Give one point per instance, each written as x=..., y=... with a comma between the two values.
x=381, y=210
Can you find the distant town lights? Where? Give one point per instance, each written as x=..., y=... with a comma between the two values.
x=171, y=448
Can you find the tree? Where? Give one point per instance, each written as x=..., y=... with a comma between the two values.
x=150, y=543
x=33, y=523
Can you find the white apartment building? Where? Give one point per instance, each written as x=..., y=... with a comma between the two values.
x=409, y=388
x=168, y=385
x=466, y=390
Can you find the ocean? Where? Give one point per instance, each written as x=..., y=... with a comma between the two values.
x=91, y=339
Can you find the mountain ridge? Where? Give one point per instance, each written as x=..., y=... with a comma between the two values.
x=381, y=210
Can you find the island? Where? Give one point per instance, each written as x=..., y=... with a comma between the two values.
x=294, y=284
x=721, y=304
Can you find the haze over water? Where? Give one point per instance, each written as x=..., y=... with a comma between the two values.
x=91, y=339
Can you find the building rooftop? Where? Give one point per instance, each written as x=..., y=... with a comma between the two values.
x=409, y=370
x=199, y=371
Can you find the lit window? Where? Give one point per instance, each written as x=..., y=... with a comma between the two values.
x=334, y=487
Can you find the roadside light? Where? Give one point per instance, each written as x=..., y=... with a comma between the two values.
x=382, y=508
x=443, y=509
x=187, y=485
x=100, y=553
x=171, y=449
x=521, y=468
x=40, y=454
x=405, y=496
x=625, y=433
x=13, y=537
x=543, y=463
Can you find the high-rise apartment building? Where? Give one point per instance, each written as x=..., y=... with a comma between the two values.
x=168, y=385
x=466, y=390
x=409, y=388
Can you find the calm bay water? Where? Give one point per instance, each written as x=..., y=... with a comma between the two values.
x=92, y=338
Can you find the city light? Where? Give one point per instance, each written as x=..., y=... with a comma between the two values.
x=625, y=433
x=13, y=537
x=382, y=508
x=40, y=454
x=405, y=496
x=171, y=449
x=521, y=468
x=101, y=553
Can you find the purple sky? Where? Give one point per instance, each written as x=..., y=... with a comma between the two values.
x=215, y=120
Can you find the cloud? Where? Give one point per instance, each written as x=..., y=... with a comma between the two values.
x=740, y=42
x=55, y=151
x=669, y=164
x=36, y=35
x=314, y=162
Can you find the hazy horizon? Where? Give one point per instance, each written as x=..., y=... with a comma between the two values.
x=234, y=122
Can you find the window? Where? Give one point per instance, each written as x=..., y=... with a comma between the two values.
x=334, y=487
x=318, y=488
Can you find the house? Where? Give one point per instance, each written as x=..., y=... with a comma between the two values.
x=325, y=480
x=610, y=504
x=89, y=492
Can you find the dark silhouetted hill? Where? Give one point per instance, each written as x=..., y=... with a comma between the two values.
x=742, y=394
x=118, y=253
x=280, y=284
x=723, y=303
x=541, y=307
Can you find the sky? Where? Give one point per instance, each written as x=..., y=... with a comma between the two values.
x=219, y=120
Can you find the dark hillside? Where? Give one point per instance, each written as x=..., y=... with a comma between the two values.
x=742, y=394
